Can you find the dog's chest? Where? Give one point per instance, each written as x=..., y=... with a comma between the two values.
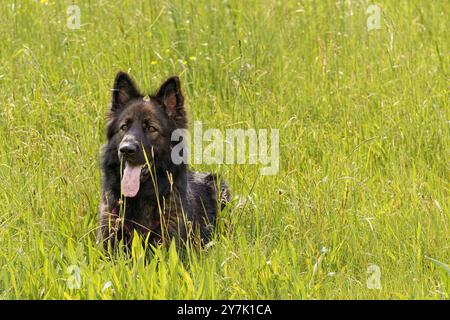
x=142, y=215
x=145, y=214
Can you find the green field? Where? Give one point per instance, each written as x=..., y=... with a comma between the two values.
x=363, y=118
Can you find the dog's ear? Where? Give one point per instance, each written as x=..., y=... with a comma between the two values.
x=172, y=99
x=124, y=91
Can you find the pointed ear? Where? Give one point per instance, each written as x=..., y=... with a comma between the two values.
x=124, y=91
x=171, y=97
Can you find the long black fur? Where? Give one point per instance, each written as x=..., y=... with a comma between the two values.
x=173, y=202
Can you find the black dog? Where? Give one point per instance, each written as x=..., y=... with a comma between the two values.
x=143, y=189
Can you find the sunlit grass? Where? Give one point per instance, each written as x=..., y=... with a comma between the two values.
x=364, y=142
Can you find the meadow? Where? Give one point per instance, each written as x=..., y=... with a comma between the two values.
x=359, y=208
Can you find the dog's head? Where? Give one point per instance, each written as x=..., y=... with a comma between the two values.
x=140, y=129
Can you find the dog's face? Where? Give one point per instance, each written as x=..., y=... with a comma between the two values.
x=141, y=128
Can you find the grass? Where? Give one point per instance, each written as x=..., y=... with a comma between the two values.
x=364, y=146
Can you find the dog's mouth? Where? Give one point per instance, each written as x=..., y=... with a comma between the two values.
x=132, y=177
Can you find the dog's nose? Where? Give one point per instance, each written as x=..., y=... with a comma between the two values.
x=128, y=149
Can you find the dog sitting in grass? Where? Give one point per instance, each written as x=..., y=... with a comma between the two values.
x=143, y=190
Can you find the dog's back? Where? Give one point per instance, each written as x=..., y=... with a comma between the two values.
x=206, y=194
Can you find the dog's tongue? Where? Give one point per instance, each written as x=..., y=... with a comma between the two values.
x=131, y=180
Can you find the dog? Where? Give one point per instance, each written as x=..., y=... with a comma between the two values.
x=143, y=190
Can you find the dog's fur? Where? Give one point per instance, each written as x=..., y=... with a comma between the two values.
x=172, y=202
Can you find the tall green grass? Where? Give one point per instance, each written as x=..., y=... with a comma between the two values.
x=364, y=146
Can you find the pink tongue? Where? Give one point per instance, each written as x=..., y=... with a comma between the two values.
x=131, y=180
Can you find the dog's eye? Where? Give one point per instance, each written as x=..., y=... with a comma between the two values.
x=124, y=127
x=148, y=127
